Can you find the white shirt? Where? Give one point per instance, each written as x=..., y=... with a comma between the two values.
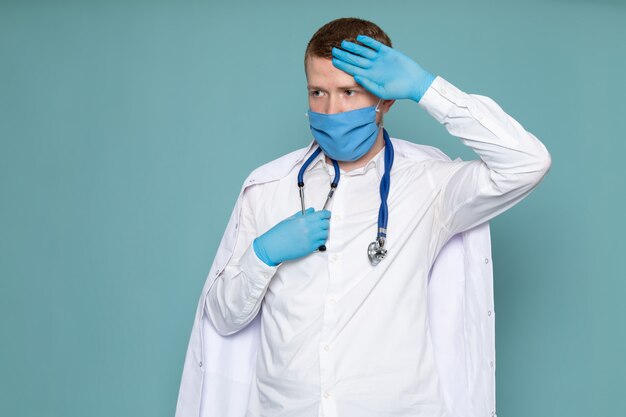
x=341, y=337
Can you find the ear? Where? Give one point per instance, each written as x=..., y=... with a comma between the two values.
x=386, y=105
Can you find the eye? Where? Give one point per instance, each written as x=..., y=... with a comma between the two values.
x=312, y=93
x=352, y=91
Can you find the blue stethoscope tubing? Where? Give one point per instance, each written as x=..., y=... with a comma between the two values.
x=376, y=250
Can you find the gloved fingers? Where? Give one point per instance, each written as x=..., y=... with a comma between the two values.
x=372, y=43
x=351, y=58
x=349, y=68
x=313, y=223
x=322, y=214
x=358, y=49
x=318, y=243
x=370, y=86
x=299, y=212
x=322, y=235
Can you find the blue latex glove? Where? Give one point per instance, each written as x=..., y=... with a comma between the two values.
x=294, y=237
x=383, y=71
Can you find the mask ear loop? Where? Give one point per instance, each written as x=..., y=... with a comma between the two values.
x=380, y=125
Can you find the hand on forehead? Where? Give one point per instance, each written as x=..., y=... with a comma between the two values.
x=383, y=71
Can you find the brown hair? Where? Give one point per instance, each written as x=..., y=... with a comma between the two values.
x=345, y=28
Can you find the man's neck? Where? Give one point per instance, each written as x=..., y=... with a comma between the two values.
x=362, y=161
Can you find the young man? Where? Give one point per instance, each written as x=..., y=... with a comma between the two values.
x=345, y=331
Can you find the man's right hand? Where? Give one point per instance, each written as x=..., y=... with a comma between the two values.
x=294, y=237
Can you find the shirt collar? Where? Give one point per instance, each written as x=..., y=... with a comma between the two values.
x=378, y=162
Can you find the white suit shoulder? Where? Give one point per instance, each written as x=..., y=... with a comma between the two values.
x=418, y=151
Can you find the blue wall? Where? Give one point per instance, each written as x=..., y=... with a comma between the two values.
x=119, y=123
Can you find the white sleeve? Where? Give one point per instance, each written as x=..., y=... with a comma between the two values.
x=512, y=160
x=236, y=295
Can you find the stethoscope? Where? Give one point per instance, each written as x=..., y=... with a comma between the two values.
x=376, y=250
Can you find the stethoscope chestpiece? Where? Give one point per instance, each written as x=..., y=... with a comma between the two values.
x=376, y=251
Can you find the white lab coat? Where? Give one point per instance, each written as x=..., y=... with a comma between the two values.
x=218, y=369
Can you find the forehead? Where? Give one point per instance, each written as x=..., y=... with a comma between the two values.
x=322, y=73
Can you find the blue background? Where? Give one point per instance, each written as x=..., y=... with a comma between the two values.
x=127, y=128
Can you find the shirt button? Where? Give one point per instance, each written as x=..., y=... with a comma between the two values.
x=326, y=394
x=489, y=313
x=337, y=217
x=480, y=117
x=334, y=257
x=444, y=91
x=492, y=364
x=327, y=348
x=486, y=260
x=200, y=364
x=332, y=301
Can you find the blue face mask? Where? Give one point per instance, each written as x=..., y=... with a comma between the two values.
x=345, y=136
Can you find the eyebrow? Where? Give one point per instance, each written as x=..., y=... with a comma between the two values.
x=346, y=87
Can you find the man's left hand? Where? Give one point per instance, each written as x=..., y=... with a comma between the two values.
x=383, y=71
